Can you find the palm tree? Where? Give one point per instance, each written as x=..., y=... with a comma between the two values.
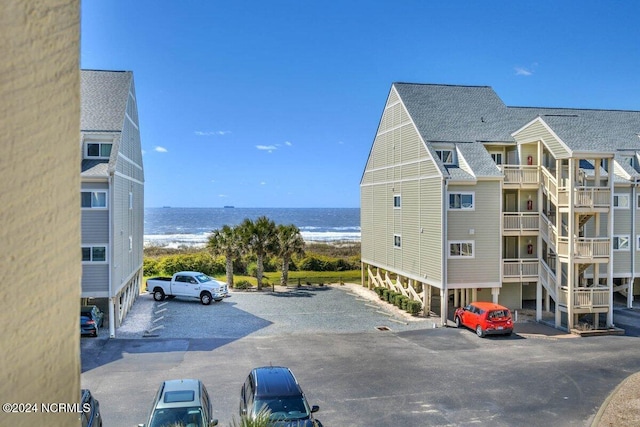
x=259, y=238
x=289, y=242
x=226, y=241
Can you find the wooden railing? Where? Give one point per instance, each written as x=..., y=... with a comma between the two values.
x=584, y=297
x=522, y=269
x=586, y=197
x=548, y=231
x=520, y=221
x=549, y=183
x=548, y=280
x=584, y=247
x=519, y=174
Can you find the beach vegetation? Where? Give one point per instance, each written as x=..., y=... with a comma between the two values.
x=226, y=241
x=247, y=251
x=289, y=242
x=259, y=239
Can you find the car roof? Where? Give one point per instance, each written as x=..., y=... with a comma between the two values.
x=275, y=381
x=178, y=393
x=485, y=305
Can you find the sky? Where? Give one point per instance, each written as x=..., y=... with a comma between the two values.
x=276, y=103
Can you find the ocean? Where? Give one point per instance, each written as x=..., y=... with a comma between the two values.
x=176, y=227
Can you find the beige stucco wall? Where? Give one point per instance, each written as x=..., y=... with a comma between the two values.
x=39, y=208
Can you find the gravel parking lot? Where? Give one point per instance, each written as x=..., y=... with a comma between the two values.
x=285, y=311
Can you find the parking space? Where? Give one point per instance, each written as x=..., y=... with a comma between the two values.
x=410, y=375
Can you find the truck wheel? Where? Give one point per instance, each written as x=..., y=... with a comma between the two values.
x=158, y=294
x=205, y=298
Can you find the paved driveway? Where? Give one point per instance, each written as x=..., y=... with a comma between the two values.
x=412, y=375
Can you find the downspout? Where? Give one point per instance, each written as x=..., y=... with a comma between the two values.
x=112, y=325
x=610, y=230
x=444, y=293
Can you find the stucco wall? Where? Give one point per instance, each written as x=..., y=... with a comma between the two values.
x=39, y=207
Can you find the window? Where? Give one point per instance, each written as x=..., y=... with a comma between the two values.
x=621, y=201
x=130, y=200
x=397, y=202
x=397, y=241
x=463, y=249
x=620, y=243
x=628, y=160
x=638, y=202
x=461, y=201
x=497, y=157
x=99, y=150
x=94, y=254
x=94, y=199
x=446, y=156
x=130, y=243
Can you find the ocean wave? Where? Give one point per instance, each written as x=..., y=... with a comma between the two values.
x=177, y=240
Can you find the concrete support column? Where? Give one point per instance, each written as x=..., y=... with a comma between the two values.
x=538, y=301
x=443, y=307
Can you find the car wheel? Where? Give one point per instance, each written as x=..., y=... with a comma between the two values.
x=158, y=295
x=218, y=299
x=479, y=331
x=205, y=298
x=458, y=323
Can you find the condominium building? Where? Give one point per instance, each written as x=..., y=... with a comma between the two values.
x=464, y=199
x=112, y=192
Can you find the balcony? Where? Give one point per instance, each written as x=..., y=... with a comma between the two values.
x=586, y=249
x=585, y=299
x=520, y=223
x=520, y=270
x=549, y=231
x=586, y=199
x=518, y=176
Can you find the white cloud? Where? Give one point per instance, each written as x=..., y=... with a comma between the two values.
x=160, y=149
x=263, y=183
x=268, y=148
x=521, y=71
x=288, y=143
x=212, y=132
x=222, y=195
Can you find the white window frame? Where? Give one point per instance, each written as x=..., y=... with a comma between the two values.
x=441, y=151
x=100, y=144
x=397, y=241
x=92, y=247
x=106, y=199
x=616, y=201
x=495, y=154
x=617, y=239
x=638, y=242
x=397, y=198
x=462, y=208
x=638, y=201
x=130, y=200
x=130, y=243
x=471, y=243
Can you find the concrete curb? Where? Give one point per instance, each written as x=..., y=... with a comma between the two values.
x=603, y=408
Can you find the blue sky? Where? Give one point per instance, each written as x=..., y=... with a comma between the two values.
x=276, y=103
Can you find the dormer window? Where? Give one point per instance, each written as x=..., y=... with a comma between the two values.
x=446, y=156
x=98, y=150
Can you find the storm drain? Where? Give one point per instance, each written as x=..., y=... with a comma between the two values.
x=383, y=328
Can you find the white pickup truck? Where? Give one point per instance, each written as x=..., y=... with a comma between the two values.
x=190, y=284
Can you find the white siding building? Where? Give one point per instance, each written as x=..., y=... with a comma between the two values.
x=112, y=192
x=464, y=198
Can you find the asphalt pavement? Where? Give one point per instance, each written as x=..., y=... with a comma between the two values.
x=409, y=374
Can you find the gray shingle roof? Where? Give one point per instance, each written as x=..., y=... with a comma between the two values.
x=473, y=114
x=103, y=99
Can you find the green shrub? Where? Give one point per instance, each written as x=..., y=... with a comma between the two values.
x=201, y=261
x=242, y=284
x=151, y=267
x=414, y=307
x=385, y=294
x=401, y=301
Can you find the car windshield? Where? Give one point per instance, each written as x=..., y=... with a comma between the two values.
x=283, y=409
x=178, y=417
x=203, y=278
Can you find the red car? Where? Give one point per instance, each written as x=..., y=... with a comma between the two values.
x=485, y=318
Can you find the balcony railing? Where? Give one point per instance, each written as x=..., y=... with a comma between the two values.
x=548, y=231
x=520, y=221
x=549, y=183
x=524, y=269
x=583, y=247
x=518, y=174
x=586, y=197
x=585, y=297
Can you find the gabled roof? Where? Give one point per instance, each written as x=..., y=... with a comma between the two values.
x=103, y=102
x=103, y=99
x=456, y=113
